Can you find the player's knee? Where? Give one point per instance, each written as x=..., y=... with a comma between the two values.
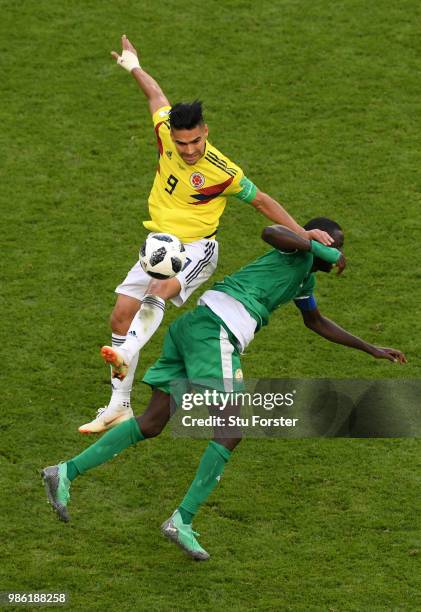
x=235, y=441
x=149, y=427
x=165, y=289
x=155, y=287
x=230, y=443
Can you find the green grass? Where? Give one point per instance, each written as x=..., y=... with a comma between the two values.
x=319, y=103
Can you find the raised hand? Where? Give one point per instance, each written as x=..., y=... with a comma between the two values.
x=129, y=57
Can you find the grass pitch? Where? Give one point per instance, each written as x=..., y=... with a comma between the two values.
x=319, y=103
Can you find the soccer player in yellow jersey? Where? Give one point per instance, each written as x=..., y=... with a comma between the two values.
x=188, y=197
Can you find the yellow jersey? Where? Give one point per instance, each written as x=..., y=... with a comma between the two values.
x=188, y=200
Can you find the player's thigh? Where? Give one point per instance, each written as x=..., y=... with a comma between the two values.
x=169, y=369
x=201, y=262
x=210, y=353
x=129, y=297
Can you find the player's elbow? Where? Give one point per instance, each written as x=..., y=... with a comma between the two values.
x=266, y=233
x=310, y=325
x=275, y=236
x=312, y=321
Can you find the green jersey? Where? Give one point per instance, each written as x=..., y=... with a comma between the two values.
x=270, y=281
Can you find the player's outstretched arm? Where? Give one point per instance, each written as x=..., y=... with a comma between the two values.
x=331, y=331
x=271, y=209
x=129, y=61
x=285, y=239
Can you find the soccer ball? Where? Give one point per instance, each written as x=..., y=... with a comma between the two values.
x=162, y=255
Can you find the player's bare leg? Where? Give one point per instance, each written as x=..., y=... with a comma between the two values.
x=156, y=415
x=122, y=315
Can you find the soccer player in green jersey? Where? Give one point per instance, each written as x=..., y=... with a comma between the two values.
x=205, y=344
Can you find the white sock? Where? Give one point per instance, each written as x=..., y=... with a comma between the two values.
x=145, y=323
x=122, y=388
x=119, y=395
x=116, y=342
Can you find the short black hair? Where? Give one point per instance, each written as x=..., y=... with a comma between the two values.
x=186, y=115
x=323, y=223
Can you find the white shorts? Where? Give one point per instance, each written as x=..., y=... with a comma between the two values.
x=201, y=262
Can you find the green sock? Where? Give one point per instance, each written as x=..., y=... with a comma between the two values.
x=108, y=446
x=207, y=476
x=186, y=516
x=72, y=471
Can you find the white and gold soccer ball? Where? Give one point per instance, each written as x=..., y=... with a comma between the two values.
x=162, y=255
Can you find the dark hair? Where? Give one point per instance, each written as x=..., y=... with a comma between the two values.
x=186, y=116
x=323, y=223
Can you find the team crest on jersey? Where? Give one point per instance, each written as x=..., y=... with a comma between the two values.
x=238, y=375
x=169, y=154
x=197, y=180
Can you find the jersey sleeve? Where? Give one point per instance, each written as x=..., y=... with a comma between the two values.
x=235, y=185
x=305, y=300
x=248, y=190
x=306, y=303
x=161, y=115
x=161, y=124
